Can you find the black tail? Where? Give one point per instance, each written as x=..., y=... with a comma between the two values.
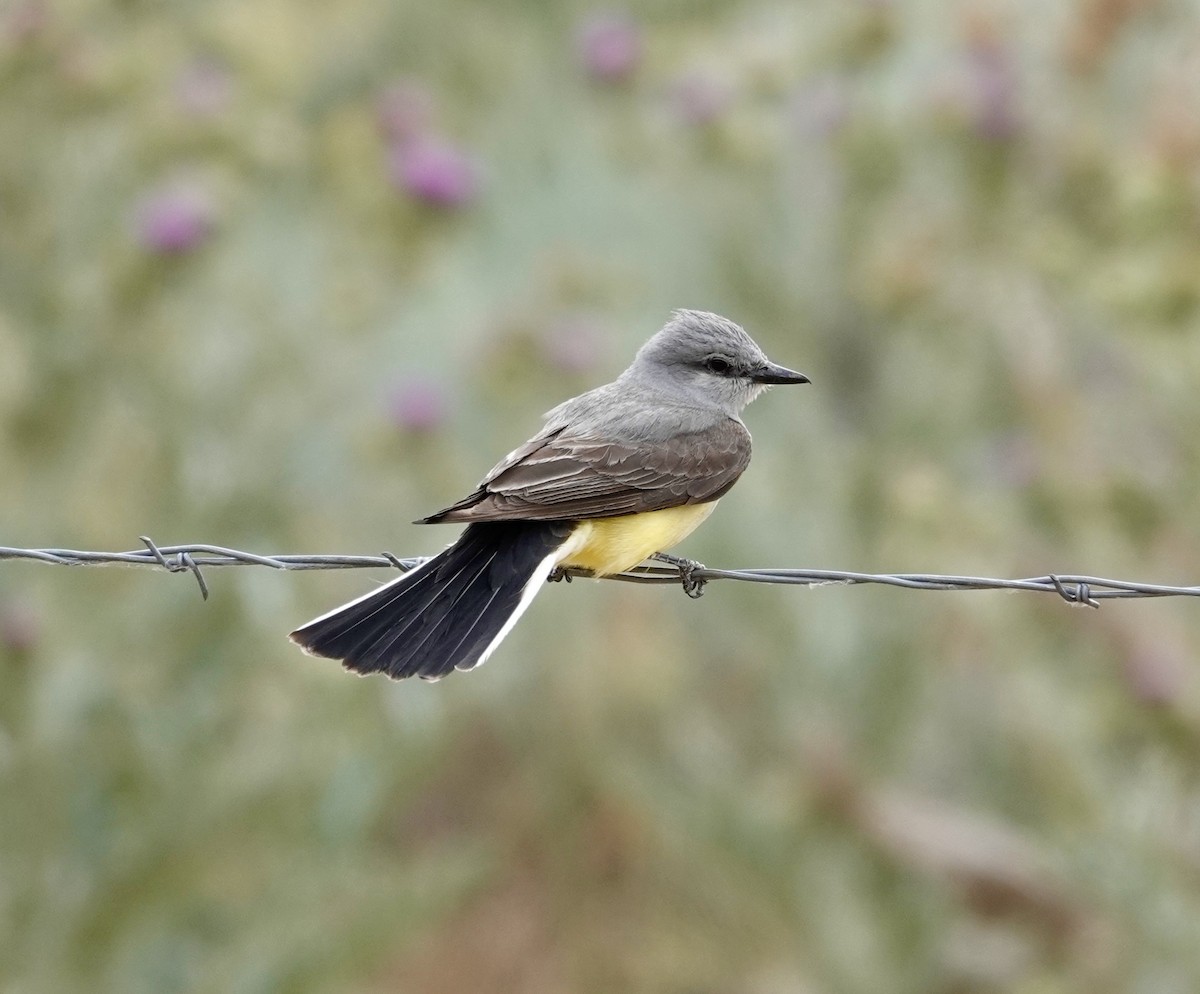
x=446, y=614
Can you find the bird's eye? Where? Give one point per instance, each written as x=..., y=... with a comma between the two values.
x=717, y=364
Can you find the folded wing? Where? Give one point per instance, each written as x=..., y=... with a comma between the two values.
x=556, y=476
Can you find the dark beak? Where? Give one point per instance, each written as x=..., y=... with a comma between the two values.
x=770, y=373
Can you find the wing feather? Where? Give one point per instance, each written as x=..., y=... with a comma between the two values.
x=557, y=476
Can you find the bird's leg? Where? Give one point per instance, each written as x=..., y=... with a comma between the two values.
x=693, y=585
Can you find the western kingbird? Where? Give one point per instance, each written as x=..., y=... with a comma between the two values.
x=618, y=474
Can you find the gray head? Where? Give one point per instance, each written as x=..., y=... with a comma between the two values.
x=709, y=360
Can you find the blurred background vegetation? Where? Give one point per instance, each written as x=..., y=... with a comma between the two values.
x=285, y=276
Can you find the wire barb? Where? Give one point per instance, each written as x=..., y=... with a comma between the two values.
x=1082, y=593
x=1085, y=590
x=395, y=562
x=185, y=563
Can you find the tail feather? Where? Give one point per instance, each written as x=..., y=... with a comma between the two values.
x=446, y=614
x=399, y=632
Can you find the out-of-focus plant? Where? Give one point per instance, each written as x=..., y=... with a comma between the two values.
x=287, y=279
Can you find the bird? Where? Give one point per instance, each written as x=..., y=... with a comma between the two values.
x=616, y=475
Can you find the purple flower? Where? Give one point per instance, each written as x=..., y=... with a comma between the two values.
x=203, y=89
x=417, y=406
x=434, y=171
x=700, y=99
x=821, y=106
x=572, y=343
x=994, y=82
x=404, y=110
x=1156, y=672
x=174, y=219
x=25, y=20
x=610, y=46
x=20, y=626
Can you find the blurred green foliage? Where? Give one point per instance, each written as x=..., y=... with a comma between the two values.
x=286, y=276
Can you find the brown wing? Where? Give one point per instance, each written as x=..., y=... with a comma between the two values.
x=553, y=477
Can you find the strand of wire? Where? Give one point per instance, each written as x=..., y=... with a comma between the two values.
x=1076, y=589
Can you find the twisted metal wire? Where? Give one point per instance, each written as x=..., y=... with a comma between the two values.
x=1075, y=589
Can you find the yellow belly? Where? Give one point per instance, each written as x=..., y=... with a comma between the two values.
x=612, y=545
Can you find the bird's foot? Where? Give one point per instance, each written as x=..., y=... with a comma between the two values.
x=567, y=573
x=693, y=585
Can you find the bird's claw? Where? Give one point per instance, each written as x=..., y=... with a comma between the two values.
x=693, y=585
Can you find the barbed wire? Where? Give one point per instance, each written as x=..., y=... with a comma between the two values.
x=1075, y=589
